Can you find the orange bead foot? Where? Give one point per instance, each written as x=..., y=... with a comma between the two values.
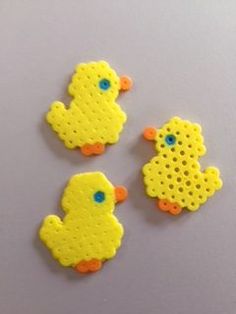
x=88, y=266
x=93, y=149
x=166, y=206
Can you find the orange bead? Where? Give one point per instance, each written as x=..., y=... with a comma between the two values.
x=98, y=148
x=86, y=150
x=125, y=83
x=121, y=193
x=150, y=133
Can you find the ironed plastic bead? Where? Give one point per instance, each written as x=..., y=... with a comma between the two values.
x=104, y=84
x=93, y=118
x=99, y=197
x=174, y=175
x=170, y=139
x=89, y=233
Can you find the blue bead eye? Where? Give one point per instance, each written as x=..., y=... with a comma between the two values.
x=99, y=197
x=104, y=84
x=170, y=140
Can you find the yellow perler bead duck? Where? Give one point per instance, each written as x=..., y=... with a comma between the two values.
x=93, y=118
x=174, y=176
x=89, y=234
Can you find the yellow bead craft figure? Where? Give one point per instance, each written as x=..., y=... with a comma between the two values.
x=89, y=234
x=174, y=176
x=93, y=118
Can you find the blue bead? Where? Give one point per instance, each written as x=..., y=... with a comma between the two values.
x=170, y=140
x=99, y=197
x=104, y=84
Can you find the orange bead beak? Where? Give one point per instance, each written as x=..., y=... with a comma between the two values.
x=125, y=83
x=121, y=193
x=150, y=133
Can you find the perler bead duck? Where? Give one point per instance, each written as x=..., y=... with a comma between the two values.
x=93, y=118
x=174, y=176
x=89, y=234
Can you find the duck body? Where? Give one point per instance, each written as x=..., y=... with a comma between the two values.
x=86, y=123
x=188, y=186
x=81, y=237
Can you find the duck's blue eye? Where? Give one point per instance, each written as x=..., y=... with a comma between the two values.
x=104, y=84
x=99, y=197
x=170, y=140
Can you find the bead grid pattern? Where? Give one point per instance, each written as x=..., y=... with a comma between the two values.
x=93, y=116
x=89, y=230
x=174, y=174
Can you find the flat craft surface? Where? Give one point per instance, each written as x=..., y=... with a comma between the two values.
x=181, y=58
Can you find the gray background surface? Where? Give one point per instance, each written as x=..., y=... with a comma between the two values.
x=182, y=57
